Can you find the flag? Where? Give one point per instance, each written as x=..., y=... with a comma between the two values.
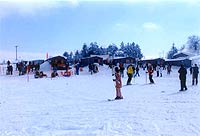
x=47, y=56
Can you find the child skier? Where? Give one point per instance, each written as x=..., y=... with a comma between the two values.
x=118, y=84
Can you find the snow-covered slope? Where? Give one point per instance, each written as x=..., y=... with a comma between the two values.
x=78, y=106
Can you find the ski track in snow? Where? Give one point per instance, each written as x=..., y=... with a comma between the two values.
x=78, y=106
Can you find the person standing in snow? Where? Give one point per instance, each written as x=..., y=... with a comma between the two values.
x=137, y=71
x=195, y=72
x=150, y=72
x=91, y=68
x=161, y=72
x=130, y=72
x=168, y=69
x=121, y=67
x=157, y=70
x=118, y=83
x=77, y=68
x=182, y=76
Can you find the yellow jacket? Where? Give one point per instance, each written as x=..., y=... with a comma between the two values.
x=130, y=70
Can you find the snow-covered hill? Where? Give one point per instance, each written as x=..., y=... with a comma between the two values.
x=78, y=106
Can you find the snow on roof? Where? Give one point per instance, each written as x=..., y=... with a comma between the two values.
x=119, y=57
x=178, y=59
x=104, y=57
x=186, y=53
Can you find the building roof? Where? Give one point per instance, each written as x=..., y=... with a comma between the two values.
x=187, y=54
x=104, y=57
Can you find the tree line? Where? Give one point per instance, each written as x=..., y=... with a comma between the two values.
x=113, y=50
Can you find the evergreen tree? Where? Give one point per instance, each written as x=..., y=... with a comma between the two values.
x=194, y=43
x=121, y=50
x=138, y=52
x=66, y=54
x=84, y=51
x=122, y=46
x=102, y=51
x=77, y=56
x=182, y=48
x=93, y=49
x=112, y=48
x=70, y=58
x=171, y=53
x=130, y=49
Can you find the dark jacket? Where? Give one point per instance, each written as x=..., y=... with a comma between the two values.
x=182, y=73
x=195, y=70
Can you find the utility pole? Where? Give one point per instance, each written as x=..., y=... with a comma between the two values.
x=16, y=52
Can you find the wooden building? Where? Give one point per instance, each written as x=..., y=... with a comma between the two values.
x=90, y=60
x=58, y=61
x=178, y=62
x=124, y=60
x=154, y=62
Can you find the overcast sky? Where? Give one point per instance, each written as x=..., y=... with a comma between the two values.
x=57, y=26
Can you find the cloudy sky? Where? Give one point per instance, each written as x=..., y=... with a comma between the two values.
x=57, y=26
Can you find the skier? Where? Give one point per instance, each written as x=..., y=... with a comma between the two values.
x=182, y=76
x=11, y=69
x=118, y=84
x=77, y=68
x=150, y=72
x=157, y=70
x=168, y=69
x=195, y=72
x=137, y=71
x=130, y=71
x=161, y=72
x=91, y=67
x=121, y=67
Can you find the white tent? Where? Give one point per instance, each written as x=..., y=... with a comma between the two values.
x=46, y=66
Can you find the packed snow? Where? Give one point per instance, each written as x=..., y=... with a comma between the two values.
x=78, y=106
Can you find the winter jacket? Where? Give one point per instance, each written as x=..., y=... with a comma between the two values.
x=150, y=70
x=121, y=67
x=195, y=70
x=182, y=73
x=130, y=69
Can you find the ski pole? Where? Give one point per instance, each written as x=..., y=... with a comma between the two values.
x=146, y=77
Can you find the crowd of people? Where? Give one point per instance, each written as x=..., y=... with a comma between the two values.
x=117, y=71
x=22, y=67
x=133, y=71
